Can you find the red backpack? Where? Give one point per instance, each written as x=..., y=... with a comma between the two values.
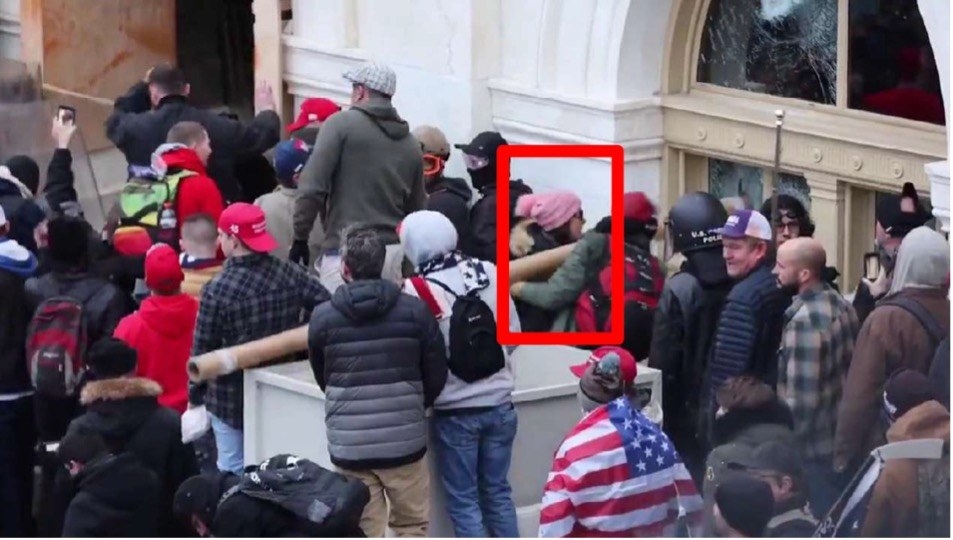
x=56, y=346
x=643, y=287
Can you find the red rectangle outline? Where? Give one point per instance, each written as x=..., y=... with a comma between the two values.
x=616, y=157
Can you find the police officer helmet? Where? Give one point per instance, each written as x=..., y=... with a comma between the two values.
x=692, y=221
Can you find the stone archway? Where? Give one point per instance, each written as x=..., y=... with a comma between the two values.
x=604, y=51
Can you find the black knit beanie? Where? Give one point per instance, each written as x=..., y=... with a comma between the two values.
x=69, y=241
x=25, y=169
x=110, y=358
x=746, y=504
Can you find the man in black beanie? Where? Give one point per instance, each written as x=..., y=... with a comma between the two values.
x=102, y=304
x=16, y=199
x=896, y=215
x=743, y=507
x=125, y=411
x=116, y=496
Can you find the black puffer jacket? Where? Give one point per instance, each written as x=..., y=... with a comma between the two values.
x=14, y=318
x=682, y=335
x=116, y=497
x=381, y=360
x=104, y=306
x=451, y=197
x=481, y=239
x=126, y=413
x=138, y=131
x=749, y=330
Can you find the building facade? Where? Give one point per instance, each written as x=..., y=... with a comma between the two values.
x=689, y=89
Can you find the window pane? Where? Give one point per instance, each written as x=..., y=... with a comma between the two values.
x=892, y=70
x=729, y=179
x=785, y=48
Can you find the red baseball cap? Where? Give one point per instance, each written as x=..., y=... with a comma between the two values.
x=247, y=223
x=628, y=367
x=313, y=110
x=163, y=271
x=636, y=205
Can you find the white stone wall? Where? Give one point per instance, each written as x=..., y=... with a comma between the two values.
x=10, y=46
x=538, y=71
x=936, y=17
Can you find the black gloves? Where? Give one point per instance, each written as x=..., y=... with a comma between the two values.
x=299, y=252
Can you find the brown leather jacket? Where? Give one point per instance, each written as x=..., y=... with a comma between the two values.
x=894, y=508
x=891, y=338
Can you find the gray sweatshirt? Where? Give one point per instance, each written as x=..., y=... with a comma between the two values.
x=366, y=168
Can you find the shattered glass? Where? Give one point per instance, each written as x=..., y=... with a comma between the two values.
x=785, y=48
x=730, y=179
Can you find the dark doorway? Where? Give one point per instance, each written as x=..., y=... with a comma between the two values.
x=215, y=44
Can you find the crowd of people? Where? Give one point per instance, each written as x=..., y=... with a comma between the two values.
x=775, y=387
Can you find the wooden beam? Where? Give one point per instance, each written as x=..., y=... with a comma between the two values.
x=269, y=58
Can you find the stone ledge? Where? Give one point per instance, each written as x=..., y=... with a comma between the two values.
x=10, y=23
x=584, y=118
x=522, y=133
x=302, y=58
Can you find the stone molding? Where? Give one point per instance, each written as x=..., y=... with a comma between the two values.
x=10, y=23
x=304, y=59
x=534, y=116
x=847, y=146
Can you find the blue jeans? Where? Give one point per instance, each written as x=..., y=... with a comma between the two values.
x=473, y=457
x=230, y=445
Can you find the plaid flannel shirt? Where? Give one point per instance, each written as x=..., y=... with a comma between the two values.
x=253, y=297
x=816, y=348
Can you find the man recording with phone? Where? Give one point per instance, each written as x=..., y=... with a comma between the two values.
x=897, y=215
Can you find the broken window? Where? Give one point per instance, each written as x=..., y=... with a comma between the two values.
x=892, y=69
x=730, y=179
x=785, y=48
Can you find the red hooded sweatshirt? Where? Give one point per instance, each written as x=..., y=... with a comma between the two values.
x=161, y=333
x=197, y=194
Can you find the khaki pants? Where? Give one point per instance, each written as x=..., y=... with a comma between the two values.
x=407, y=490
x=328, y=268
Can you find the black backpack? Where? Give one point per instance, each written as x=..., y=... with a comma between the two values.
x=475, y=353
x=327, y=503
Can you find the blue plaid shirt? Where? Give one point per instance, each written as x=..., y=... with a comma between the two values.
x=253, y=297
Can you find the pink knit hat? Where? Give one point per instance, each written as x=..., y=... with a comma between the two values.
x=551, y=210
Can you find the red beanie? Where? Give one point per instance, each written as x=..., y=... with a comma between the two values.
x=163, y=272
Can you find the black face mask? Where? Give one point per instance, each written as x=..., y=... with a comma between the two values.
x=484, y=177
x=789, y=290
x=888, y=258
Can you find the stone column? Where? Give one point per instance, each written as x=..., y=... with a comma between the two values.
x=827, y=201
x=936, y=18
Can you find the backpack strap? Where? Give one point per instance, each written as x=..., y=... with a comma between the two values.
x=925, y=318
x=444, y=287
x=423, y=292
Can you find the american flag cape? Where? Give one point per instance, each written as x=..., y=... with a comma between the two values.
x=617, y=474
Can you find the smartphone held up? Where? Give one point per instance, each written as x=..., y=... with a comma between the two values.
x=66, y=114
